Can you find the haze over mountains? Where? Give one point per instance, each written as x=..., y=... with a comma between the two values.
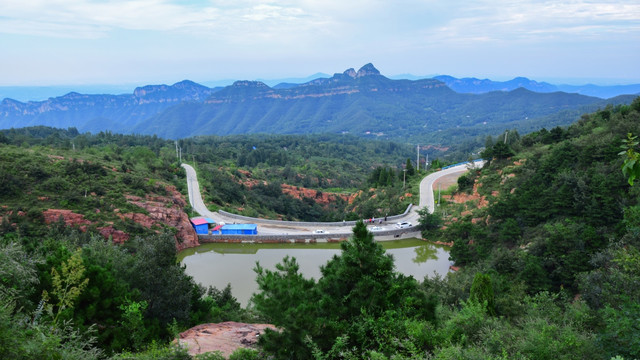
x=363, y=102
x=479, y=86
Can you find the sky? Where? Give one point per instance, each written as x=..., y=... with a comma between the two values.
x=61, y=42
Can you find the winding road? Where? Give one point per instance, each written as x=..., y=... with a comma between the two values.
x=287, y=227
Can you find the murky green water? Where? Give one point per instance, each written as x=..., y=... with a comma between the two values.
x=219, y=264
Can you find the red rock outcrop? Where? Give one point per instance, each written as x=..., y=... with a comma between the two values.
x=118, y=236
x=166, y=210
x=73, y=219
x=69, y=217
x=322, y=198
x=225, y=337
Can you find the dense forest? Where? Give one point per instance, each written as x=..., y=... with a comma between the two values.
x=548, y=260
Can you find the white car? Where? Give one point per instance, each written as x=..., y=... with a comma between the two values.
x=403, y=225
x=376, y=228
x=319, y=231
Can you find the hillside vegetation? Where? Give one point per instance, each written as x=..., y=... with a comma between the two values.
x=549, y=266
x=89, y=267
x=548, y=249
x=311, y=177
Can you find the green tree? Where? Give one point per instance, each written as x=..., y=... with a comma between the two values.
x=482, y=292
x=465, y=183
x=631, y=166
x=287, y=300
x=162, y=283
x=429, y=221
x=409, y=167
x=501, y=151
x=67, y=285
x=133, y=321
x=358, y=298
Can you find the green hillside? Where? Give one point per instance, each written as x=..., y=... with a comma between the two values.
x=548, y=253
x=250, y=174
x=547, y=246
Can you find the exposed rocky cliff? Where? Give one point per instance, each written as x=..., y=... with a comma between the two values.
x=167, y=210
x=161, y=211
x=95, y=112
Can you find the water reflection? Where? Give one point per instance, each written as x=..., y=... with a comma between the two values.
x=219, y=264
x=425, y=252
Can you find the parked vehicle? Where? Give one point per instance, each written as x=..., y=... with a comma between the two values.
x=319, y=231
x=403, y=225
x=376, y=228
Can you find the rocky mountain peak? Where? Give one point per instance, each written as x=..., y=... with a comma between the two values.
x=350, y=72
x=148, y=89
x=367, y=70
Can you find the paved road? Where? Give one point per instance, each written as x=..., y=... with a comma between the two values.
x=427, y=195
x=195, y=198
x=426, y=199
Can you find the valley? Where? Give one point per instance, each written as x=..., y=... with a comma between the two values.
x=534, y=232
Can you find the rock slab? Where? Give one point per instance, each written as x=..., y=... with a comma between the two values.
x=225, y=337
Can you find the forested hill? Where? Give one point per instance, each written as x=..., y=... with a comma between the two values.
x=561, y=219
x=364, y=103
x=113, y=183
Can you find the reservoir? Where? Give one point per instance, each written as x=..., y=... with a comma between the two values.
x=219, y=264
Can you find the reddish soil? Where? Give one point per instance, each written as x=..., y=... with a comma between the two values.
x=446, y=181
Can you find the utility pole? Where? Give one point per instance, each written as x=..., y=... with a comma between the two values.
x=418, y=160
x=426, y=164
x=506, y=134
x=177, y=149
x=404, y=177
x=191, y=193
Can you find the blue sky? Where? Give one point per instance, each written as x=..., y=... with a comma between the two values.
x=59, y=42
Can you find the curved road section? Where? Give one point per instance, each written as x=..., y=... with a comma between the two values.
x=195, y=198
x=426, y=199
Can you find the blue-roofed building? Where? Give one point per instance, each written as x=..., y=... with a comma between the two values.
x=201, y=225
x=239, y=229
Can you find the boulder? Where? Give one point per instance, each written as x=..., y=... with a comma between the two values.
x=225, y=337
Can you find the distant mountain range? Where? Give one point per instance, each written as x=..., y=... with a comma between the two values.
x=478, y=86
x=443, y=110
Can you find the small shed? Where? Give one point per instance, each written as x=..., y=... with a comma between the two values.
x=239, y=229
x=216, y=229
x=201, y=225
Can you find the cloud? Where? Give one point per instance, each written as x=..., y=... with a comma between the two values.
x=242, y=20
x=87, y=19
x=317, y=35
x=533, y=20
